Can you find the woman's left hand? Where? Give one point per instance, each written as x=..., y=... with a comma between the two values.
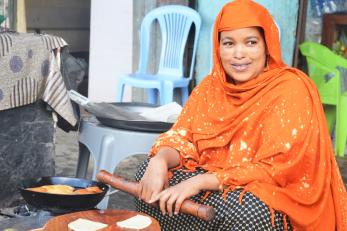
x=175, y=195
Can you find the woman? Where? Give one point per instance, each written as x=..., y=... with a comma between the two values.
x=251, y=141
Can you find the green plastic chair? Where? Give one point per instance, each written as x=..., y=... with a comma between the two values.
x=329, y=72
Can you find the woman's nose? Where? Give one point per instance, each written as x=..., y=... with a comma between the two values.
x=239, y=52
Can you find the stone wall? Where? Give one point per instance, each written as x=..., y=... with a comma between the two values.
x=26, y=148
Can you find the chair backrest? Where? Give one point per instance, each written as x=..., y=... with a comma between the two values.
x=175, y=22
x=327, y=80
x=322, y=54
x=324, y=68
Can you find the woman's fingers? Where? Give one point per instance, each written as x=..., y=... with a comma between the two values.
x=145, y=192
x=170, y=199
x=178, y=204
x=154, y=198
x=162, y=202
x=141, y=190
x=170, y=203
x=167, y=200
x=147, y=196
x=151, y=188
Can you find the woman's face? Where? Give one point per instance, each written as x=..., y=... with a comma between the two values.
x=242, y=53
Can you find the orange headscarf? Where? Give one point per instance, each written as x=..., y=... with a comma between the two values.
x=267, y=135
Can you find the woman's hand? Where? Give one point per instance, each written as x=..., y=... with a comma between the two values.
x=155, y=178
x=175, y=195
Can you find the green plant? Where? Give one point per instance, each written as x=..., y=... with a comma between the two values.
x=2, y=18
x=340, y=46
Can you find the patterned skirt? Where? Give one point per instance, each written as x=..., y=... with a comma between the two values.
x=251, y=215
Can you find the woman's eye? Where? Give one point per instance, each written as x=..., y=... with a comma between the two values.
x=227, y=43
x=252, y=42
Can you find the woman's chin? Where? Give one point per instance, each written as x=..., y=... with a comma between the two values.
x=241, y=79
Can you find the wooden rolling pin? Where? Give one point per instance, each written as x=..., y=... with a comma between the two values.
x=203, y=212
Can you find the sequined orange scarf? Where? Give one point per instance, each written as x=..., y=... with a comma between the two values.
x=267, y=135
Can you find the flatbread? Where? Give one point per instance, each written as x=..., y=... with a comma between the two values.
x=135, y=222
x=85, y=225
x=55, y=189
x=89, y=190
x=65, y=189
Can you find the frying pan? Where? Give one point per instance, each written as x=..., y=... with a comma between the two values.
x=59, y=203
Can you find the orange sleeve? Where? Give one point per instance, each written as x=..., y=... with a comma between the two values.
x=179, y=136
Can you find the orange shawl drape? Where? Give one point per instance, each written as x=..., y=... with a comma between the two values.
x=267, y=135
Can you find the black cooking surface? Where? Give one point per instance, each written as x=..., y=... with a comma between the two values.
x=127, y=116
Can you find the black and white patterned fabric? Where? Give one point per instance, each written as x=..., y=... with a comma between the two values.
x=30, y=71
x=251, y=215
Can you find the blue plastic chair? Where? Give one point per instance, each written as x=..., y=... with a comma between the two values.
x=175, y=23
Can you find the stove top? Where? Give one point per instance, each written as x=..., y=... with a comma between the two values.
x=23, y=217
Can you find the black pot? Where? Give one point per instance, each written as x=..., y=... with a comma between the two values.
x=59, y=203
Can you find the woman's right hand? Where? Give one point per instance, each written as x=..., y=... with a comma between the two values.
x=154, y=180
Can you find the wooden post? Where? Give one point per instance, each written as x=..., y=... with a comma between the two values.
x=21, y=25
x=300, y=30
x=330, y=24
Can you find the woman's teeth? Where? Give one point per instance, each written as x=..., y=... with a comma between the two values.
x=240, y=67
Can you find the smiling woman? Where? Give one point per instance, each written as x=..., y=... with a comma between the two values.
x=251, y=141
x=242, y=53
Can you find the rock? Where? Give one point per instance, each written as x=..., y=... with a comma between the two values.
x=26, y=148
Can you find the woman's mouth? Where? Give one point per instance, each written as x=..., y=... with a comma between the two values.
x=240, y=67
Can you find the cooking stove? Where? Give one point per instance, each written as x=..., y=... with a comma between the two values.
x=24, y=210
x=23, y=217
x=26, y=217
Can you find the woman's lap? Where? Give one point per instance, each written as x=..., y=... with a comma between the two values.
x=252, y=214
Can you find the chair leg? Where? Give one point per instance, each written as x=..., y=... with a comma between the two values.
x=341, y=127
x=120, y=91
x=83, y=161
x=152, y=95
x=166, y=93
x=330, y=115
x=185, y=94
